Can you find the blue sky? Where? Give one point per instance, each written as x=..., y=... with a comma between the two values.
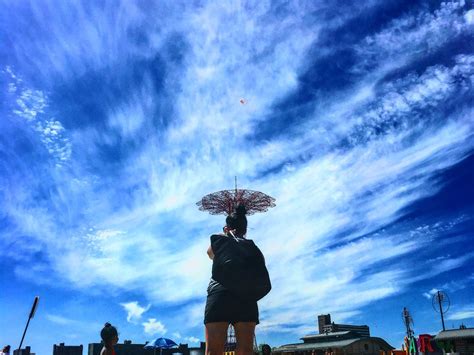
x=117, y=117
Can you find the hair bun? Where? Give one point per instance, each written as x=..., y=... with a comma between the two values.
x=241, y=210
x=107, y=325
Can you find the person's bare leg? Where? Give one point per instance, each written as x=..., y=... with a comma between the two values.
x=216, y=336
x=244, y=332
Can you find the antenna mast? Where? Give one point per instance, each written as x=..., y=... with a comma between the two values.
x=408, y=320
x=409, y=339
x=441, y=298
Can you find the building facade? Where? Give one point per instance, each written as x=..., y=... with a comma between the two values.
x=323, y=320
x=326, y=326
x=337, y=343
x=459, y=341
x=337, y=339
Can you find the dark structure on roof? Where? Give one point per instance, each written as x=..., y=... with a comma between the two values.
x=337, y=339
x=62, y=349
x=323, y=320
x=325, y=326
x=23, y=351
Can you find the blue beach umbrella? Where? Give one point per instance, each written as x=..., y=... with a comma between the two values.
x=161, y=343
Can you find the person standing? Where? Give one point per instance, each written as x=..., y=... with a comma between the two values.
x=6, y=350
x=110, y=338
x=228, y=304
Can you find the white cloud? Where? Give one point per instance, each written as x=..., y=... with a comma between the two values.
x=59, y=319
x=469, y=16
x=450, y=263
x=135, y=227
x=153, y=327
x=134, y=311
x=467, y=312
x=192, y=339
x=405, y=37
x=451, y=286
x=32, y=106
x=429, y=294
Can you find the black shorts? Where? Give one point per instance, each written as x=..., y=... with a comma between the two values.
x=224, y=306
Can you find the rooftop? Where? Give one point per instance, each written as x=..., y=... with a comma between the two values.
x=329, y=344
x=324, y=345
x=327, y=335
x=455, y=333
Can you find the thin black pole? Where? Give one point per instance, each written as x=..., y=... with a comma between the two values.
x=441, y=309
x=31, y=315
x=23, y=337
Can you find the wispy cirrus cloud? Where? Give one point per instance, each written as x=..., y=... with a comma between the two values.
x=467, y=312
x=450, y=287
x=145, y=119
x=32, y=106
x=59, y=319
x=414, y=36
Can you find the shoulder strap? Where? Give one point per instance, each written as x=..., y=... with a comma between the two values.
x=234, y=236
